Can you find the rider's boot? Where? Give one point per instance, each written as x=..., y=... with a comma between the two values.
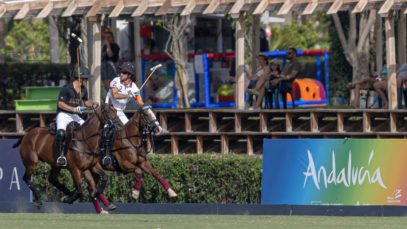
x=60, y=144
x=107, y=134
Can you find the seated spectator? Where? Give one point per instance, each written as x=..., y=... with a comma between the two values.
x=272, y=90
x=375, y=82
x=285, y=80
x=258, y=81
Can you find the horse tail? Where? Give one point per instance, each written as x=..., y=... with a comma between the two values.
x=17, y=143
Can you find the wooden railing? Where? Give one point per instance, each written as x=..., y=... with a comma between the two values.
x=241, y=131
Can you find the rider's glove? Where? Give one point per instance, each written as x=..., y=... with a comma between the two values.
x=80, y=109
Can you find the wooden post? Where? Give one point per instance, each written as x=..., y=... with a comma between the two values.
x=393, y=122
x=19, y=123
x=163, y=122
x=391, y=61
x=224, y=144
x=54, y=38
x=94, y=91
x=255, y=41
x=199, y=144
x=85, y=43
x=379, y=44
x=314, y=122
x=250, y=149
x=219, y=35
x=137, y=48
x=240, y=81
x=174, y=145
x=401, y=41
x=188, y=125
x=263, y=122
x=238, y=123
x=341, y=127
x=367, y=122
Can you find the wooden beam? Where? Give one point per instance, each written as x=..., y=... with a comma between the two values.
x=224, y=144
x=46, y=10
x=402, y=40
x=96, y=48
x=285, y=9
x=261, y=7
x=240, y=32
x=140, y=9
x=164, y=8
x=213, y=5
x=360, y=6
x=117, y=9
x=174, y=145
x=94, y=10
x=189, y=8
x=3, y=9
x=310, y=7
x=391, y=62
x=199, y=144
x=237, y=7
x=388, y=4
x=249, y=146
x=70, y=9
x=335, y=7
x=22, y=12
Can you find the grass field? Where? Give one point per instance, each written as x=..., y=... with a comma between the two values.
x=78, y=221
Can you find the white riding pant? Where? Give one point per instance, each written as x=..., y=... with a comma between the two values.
x=63, y=119
x=122, y=116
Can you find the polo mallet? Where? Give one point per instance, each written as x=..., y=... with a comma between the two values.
x=79, y=61
x=153, y=69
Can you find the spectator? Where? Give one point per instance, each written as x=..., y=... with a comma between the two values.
x=290, y=71
x=402, y=85
x=375, y=82
x=110, y=56
x=258, y=81
x=272, y=89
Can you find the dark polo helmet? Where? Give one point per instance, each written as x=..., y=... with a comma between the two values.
x=84, y=73
x=128, y=67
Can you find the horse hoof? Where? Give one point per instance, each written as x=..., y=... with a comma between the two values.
x=103, y=212
x=171, y=193
x=111, y=207
x=135, y=194
x=67, y=200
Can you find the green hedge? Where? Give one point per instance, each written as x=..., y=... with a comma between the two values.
x=207, y=178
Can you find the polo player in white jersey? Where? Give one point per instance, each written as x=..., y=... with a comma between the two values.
x=122, y=90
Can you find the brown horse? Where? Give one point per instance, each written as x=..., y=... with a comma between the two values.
x=37, y=145
x=130, y=151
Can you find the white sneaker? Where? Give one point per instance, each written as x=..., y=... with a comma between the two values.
x=135, y=194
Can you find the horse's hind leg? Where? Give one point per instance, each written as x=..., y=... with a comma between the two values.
x=137, y=186
x=146, y=166
x=53, y=179
x=29, y=170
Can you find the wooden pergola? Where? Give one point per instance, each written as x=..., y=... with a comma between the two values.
x=24, y=9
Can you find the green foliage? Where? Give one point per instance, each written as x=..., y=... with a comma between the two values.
x=208, y=178
x=309, y=35
x=29, y=42
x=341, y=71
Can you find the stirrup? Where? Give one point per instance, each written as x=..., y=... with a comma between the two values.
x=107, y=160
x=61, y=161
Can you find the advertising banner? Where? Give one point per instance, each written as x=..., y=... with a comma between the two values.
x=12, y=186
x=334, y=172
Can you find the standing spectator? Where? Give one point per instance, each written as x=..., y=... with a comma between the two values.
x=290, y=71
x=110, y=56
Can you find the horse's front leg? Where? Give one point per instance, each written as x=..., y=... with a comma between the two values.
x=87, y=174
x=137, y=186
x=146, y=166
x=101, y=196
x=53, y=179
